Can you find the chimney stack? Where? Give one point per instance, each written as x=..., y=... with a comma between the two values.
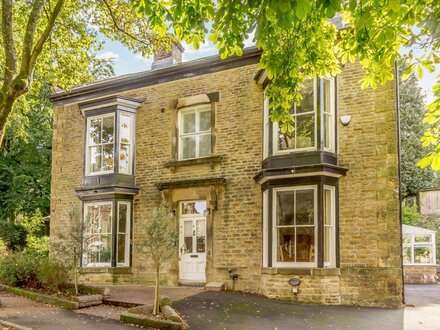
x=165, y=59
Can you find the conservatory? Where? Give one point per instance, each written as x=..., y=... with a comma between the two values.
x=419, y=258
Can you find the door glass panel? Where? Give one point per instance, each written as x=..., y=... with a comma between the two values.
x=188, y=236
x=193, y=207
x=201, y=234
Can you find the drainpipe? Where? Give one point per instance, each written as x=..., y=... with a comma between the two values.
x=399, y=176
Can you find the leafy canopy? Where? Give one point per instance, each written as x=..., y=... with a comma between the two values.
x=298, y=40
x=57, y=41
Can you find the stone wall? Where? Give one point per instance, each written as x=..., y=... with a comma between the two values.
x=369, y=228
x=420, y=274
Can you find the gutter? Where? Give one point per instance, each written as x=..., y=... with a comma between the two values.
x=184, y=70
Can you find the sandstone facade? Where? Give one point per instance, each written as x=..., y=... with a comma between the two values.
x=368, y=250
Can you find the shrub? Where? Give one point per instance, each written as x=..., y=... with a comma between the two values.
x=13, y=235
x=20, y=269
x=8, y=269
x=3, y=250
x=52, y=275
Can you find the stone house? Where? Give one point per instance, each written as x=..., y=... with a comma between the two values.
x=319, y=204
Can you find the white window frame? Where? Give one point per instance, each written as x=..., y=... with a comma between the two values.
x=265, y=227
x=89, y=145
x=276, y=263
x=275, y=134
x=266, y=127
x=413, y=244
x=331, y=113
x=196, y=109
x=127, y=234
x=91, y=204
x=332, y=262
x=131, y=144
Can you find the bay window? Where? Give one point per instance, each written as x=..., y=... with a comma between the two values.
x=294, y=234
x=313, y=121
x=300, y=222
x=101, y=233
x=194, y=132
x=109, y=143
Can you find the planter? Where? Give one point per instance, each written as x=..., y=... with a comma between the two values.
x=150, y=321
x=142, y=315
x=75, y=303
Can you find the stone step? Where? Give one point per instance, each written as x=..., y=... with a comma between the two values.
x=215, y=286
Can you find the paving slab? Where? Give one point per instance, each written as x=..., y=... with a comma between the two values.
x=423, y=311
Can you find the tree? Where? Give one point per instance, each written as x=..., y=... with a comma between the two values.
x=160, y=241
x=298, y=40
x=69, y=245
x=25, y=160
x=56, y=40
x=412, y=110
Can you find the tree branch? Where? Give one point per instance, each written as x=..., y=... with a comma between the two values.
x=28, y=42
x=120, y=29
x=8, y=42
x=50, y=24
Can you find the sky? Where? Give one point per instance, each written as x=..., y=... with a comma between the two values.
x=126, y=62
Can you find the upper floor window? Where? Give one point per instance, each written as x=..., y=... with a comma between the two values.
x=317, y=109
x=109, y=143
x=195, y=132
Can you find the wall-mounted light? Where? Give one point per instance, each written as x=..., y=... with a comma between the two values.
x=294, y=283
x=206, y=212
x=345, y=120
x=172, y=213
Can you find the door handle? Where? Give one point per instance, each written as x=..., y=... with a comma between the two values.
x=194, y=256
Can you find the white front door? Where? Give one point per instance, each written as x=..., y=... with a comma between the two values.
x=192, y=241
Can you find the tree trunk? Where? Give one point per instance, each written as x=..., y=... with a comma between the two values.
x=156, y=294
x=5, y=111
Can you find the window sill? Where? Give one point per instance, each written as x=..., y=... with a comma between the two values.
x=302, y=271
x=212, y=160
x=104, y=270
